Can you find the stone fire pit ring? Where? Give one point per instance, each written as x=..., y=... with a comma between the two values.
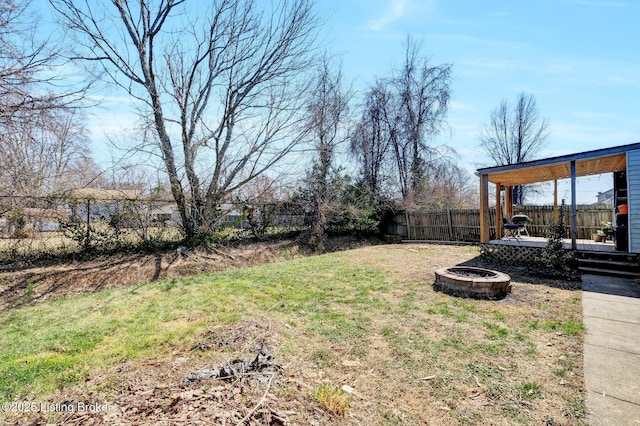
x=467, y=281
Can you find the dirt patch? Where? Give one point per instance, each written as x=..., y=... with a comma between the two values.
x=175, y=390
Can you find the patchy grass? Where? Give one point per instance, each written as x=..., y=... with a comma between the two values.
x=367, y=318
x=332, y=399
x=569, y=327
x=530, y=390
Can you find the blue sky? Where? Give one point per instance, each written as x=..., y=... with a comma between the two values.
x=579, y=58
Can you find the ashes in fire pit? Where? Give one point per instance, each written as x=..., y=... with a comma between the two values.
x=468, y=281
x=471, y=272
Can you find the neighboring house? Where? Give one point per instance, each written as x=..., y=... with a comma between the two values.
x=605, y=197
x=165, y=213
x=40, y=220
x=46, y=220
x=100, y=204
x=130, y=207
x=232, y=215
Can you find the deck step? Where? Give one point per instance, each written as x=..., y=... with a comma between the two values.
x=610, y=272
x=607, y=264
x=623, y=265
x=607, y=255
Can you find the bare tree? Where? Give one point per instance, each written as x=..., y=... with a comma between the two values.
x=30, y=69
x=43, y=142
x=44, y=152
x=514, y=135
x=423, y=100
x=327, y=114
x=400, y=118
x=450, y=186
x=261, y=190
x=219, y=83
x=370, y=141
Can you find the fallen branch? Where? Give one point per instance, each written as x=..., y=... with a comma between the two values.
x=266, y=392
x=221, y=253
x=477, y=381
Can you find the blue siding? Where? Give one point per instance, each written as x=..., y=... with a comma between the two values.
x=633, y=185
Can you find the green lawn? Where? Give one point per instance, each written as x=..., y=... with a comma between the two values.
x=56, y=343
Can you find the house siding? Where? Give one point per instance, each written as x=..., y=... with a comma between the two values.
x=633, y=185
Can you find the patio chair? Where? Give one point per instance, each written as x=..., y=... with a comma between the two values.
x=521, y=220
x=510, y=230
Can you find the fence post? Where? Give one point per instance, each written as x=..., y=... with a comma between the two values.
x=406, y=214
x=449, y=223
x=88, y=237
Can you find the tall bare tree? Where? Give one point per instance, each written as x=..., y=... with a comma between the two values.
x=219, y=82
x=401, y=116
x=370, y=140
x=515, y=134
x=423, y=100
x=327, y=111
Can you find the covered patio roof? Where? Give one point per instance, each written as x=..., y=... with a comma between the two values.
x=607, y=160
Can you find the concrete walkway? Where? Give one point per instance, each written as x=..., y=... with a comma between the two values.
x=611, y=309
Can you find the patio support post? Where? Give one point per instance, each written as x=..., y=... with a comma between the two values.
x=574, y=226
x=555, y=201
x=508, y=201
x=484, y=208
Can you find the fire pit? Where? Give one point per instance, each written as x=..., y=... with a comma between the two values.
x=468, y=281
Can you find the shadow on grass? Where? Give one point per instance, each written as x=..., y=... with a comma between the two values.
x=30, y=287
x=28, y=283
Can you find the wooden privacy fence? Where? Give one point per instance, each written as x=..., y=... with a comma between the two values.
x=464, y=224
x=441, y=225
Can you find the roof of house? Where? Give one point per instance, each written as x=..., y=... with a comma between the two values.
x=104, y=194
x=587, y=163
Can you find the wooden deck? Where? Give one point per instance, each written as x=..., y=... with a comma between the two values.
x=583, y=245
